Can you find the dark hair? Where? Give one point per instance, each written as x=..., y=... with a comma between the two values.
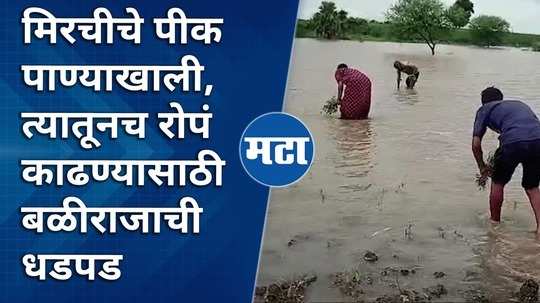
x=342, y=65
x=491, y=94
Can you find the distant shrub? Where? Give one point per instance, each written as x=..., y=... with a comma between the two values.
x=536, y=46
x=488, y=30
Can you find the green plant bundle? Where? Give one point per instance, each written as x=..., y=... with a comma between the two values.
x=331, y=106
x=481, y=181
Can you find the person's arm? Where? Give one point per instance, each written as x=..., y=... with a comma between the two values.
x=479, y=131
x=340, y=91
x=479, y=154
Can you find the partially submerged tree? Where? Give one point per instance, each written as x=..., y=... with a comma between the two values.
x=423, y=19
x=488, y=30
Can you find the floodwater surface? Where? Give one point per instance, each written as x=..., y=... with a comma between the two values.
x=401, y=184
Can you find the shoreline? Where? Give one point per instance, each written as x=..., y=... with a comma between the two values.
x=383, y=32
x=375, y=39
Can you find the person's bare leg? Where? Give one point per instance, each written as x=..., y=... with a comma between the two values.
x=534, y=198
x=495, y=201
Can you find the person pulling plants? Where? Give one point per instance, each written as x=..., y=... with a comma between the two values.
x=519, y=143
x=410, y=70
x=354, y=93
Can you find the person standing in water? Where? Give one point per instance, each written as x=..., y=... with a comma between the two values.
x=409, y=69
x=354, y=93
x=519, y=139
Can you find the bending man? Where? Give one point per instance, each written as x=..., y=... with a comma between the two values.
x=519, y=139
x=409, y=69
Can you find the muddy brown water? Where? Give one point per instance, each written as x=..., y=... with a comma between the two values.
x=401, y=184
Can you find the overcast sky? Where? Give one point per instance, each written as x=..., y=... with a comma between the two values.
x=523, y=15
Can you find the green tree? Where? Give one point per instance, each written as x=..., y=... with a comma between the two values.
x=488, y=30
x=458, y=16
x=421, y=19
x=357, y=25
x=466, y=5
x=342, y=22
x=460, y=13
x=328, y=22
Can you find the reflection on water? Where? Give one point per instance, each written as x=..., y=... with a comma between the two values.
x=407, y=96
x=354, y=140
x=402, y=183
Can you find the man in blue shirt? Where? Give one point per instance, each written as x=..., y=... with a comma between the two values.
x=519, y=139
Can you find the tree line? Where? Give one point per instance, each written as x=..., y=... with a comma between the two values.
x=428, y=21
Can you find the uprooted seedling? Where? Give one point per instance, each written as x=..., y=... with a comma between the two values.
x=405, y=296
x=290, y=291
x=481, y=180
x=331, y=106
x=349, y=283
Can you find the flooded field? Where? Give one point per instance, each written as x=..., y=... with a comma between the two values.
x=402, y=183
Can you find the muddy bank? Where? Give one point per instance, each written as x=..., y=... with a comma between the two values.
x=352, y=284
x=288, y=291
